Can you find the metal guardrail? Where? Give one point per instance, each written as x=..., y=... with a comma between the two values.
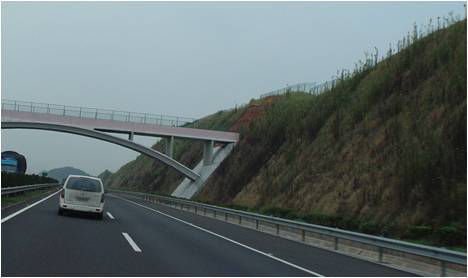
x=95, y=113
x=18, y=189
x=382, y=244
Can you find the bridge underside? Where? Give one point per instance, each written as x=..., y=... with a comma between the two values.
x=187, y=172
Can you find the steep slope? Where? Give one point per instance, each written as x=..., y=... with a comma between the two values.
x=383, y=152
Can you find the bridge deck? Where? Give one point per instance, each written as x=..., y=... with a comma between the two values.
x=121, y=126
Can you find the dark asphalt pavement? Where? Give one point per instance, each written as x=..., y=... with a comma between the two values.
x=39, y=242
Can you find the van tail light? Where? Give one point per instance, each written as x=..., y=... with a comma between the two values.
x=62, y=194
x=102, y=198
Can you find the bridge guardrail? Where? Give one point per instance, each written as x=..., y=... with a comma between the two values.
x=382, y=244
x=96, y=113
x=23, y=188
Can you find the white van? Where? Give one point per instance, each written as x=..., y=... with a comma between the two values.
x=82, y=193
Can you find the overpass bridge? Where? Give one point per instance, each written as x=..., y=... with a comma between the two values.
x=96, y=123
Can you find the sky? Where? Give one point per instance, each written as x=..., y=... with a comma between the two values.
x=188, y=59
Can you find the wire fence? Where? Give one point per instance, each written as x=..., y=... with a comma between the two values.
x=311, y=88
x=372, y=59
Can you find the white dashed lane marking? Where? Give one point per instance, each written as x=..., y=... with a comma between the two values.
x=131, y=242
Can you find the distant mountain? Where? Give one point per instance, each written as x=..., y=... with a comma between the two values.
x=104, y=176
x=63, y=172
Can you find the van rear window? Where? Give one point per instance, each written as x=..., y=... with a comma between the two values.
x=83, y=184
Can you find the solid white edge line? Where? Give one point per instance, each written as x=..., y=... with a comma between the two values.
x=110, y=215
x=131, y=242
x=225, y=238
x=26, y=208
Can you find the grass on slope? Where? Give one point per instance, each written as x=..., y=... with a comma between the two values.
x=383, y=152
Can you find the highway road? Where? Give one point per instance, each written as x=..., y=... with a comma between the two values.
x=138, y=238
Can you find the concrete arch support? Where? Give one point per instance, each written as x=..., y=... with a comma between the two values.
x=187, y=172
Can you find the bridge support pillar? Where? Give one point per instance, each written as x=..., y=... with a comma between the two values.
x=208, y=153
x=130, y=136
x=169, y=146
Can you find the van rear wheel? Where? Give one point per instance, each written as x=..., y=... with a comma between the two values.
x=99, y=216
x=60, y=211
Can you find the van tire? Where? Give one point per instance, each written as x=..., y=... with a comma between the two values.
x=60, y=211
x=99, y=216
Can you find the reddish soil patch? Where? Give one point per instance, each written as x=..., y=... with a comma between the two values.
x=254, y=111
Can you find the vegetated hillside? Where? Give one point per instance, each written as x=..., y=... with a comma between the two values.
x=382, y=152
x=62, y=173
x=147, y=175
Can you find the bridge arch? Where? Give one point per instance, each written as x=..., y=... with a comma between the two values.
x=184, y=170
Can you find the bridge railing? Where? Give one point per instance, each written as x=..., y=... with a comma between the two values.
x=96, y=113
x=383, y=250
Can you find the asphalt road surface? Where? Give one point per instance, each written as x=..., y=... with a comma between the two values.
x=138, y=238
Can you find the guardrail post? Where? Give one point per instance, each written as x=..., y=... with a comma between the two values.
x=336, y=243
x=16, y=108
x=380, y=254
x=256, y=224
x=443, y=269
x=204, y=211
x=240, y=219
x=214, y=213
x=277, y=229
x=95, y=115
x=48, y=109
x=80, y=112
x=226, y=217
x=303, y=235
x=196, y=210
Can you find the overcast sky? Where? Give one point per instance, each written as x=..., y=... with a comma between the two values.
x=186, y=59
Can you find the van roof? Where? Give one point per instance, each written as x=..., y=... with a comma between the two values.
x=80, y=176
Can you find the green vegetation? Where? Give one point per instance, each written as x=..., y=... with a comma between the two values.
x=12, y=179
x=382, y=152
